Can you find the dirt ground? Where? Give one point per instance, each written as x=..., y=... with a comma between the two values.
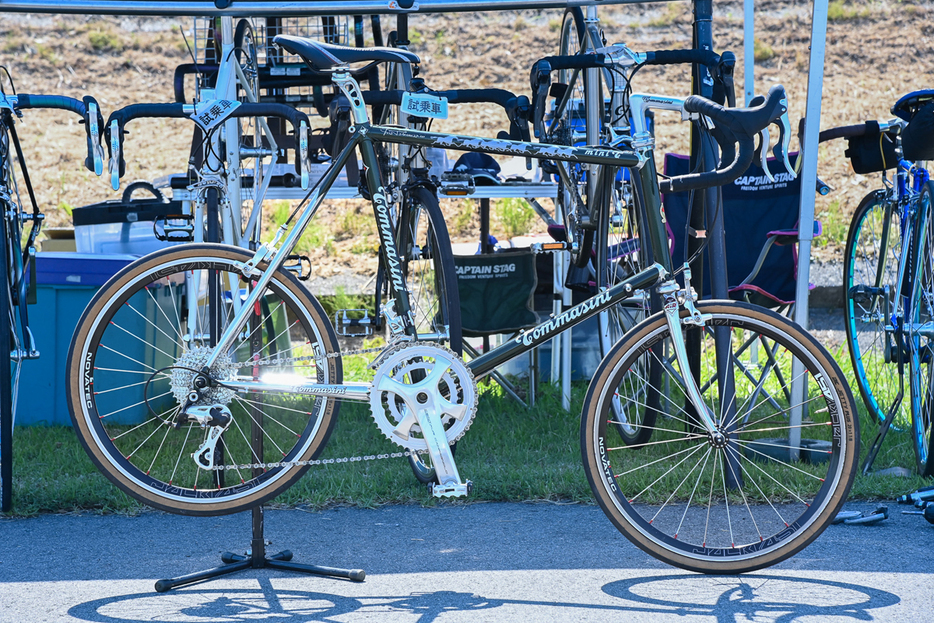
x=876, y=52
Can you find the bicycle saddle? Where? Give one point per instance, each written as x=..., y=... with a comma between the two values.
x=906, y=107
x=324, y=56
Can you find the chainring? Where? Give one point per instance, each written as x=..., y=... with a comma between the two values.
x=419, y=372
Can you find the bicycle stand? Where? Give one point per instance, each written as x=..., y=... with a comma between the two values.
x=256, y=558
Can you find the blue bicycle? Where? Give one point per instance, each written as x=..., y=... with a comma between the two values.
x=889, y=272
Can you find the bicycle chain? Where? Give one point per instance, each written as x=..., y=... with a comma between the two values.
x=312, y=462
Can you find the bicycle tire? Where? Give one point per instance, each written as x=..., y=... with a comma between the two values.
x=250, y=131
x=7, y=334
x=876, y=378
x=920, y=347
x=618, y=254
x=653, y=504
x=570, y=125
x=431, y=277
x=127, y=365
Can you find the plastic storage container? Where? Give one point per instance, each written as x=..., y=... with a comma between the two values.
x=123, y=226
x=66, y=282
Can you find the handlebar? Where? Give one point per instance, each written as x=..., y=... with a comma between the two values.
x=116, y=127
x=87, y=109
x=540, y=77
x=677, y=57
x=732, y=126
x=861, y=129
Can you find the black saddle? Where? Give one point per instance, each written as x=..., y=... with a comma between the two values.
x=324, y=56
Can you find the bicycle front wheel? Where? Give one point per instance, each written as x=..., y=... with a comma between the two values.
x=132, y=364
x=870, y=265
x=920, y=347
x=744, y=500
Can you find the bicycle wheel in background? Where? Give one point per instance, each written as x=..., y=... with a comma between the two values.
x=617, y=256
x=873, y=244
x=428, y=267
x=738, y=502
x=7, y=333
x=920, y=346
x=133, y=359
x=430, y=275
x=569, y=128
x=251, y=131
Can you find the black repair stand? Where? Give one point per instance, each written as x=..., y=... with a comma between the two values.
x=256, y=558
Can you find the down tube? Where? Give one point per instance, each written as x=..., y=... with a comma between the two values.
x=530, y=338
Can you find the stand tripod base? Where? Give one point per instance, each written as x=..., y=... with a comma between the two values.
x=237, y=562
x=257, y=559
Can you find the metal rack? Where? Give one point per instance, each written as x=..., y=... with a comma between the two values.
x=279, y=8
x=334, y=29
x=702, y=37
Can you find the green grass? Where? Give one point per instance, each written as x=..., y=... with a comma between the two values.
x=762, y=51
x=515, y=216
x=840, y=11
x=510, y=453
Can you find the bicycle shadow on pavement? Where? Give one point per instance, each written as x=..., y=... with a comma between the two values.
x=753, y=597
x=726, y=598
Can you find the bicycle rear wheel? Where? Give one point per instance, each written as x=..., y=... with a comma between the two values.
x=735, y=505
x=131, y=367
x=870, y=264
x=920, y=346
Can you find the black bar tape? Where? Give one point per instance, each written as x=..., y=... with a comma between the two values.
x=58, y=102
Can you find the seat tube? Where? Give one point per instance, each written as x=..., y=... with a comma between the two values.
x=385, y=229
x=645, y=184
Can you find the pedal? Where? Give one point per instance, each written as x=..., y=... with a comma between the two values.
x=865, y=294
x=348, y=326
x=298, y=265
x=174, y=228
x=451, y=490
x=457, y=185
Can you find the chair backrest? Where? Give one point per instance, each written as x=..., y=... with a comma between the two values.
x=754, y=208
x=497, y=291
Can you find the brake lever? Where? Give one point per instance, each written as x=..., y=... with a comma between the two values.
x=95, y=136
x=303, y=154
x=540, y=82
x=784, y=142
x=763, y=152
x=115, y=155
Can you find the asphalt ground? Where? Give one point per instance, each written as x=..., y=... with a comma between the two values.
x=473, y=562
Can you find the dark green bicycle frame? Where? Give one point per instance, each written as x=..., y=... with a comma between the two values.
x=645, y=187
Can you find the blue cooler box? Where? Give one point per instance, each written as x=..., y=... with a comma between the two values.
x=66, y=282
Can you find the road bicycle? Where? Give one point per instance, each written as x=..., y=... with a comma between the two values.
x=889, y=274
x=21, y=227
x=198, y=400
